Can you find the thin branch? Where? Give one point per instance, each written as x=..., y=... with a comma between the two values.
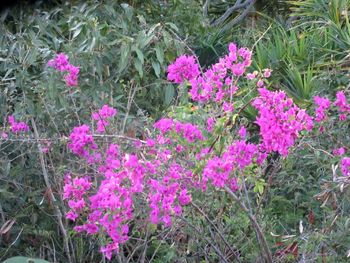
x=206, y=7
x=240, y=17
x=233, y=250
x=217, y=250
x=48, y=185
x=238, y=5
x=262, y=240
x=64, y=139
x=131, y=96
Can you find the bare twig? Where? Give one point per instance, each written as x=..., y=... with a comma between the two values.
x=48, y=185
x=233, y=250
x=158, y=247
x=2, y=215
x=64, y=139
x=262, y=240
x=14, y=242
x=131, y=96
x=217, y=250
x=143, y=255
x=238, y=5
x=240, y=17
x=206, y=7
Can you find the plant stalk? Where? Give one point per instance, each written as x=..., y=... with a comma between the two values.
x=262, y=240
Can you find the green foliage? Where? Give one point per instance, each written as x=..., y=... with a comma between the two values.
x=124, y=49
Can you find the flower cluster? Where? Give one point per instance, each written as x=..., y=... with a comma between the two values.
x=17, y=127
x=339, y=151
x=345, y=166
x=220, y=170
x=241, y=154
x=184, y=68
x=82, y=142
x=187, y=130
x=342, y=105
x=61, y=63
x=164, y=170
x=102, y=117
x=323, y=104
x=217, y=82
x=108, y=207
x=168, y=195
x=75, y=190
x=280, y=121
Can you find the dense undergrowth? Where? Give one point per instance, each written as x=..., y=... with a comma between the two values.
x=123, y=49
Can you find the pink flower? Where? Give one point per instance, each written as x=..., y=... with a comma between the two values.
x=150, y=143
x=184, y=68
x=210, y=124
x=164, y=125
x=61, y=63
x=102, y=117
x=218, y=171
x=323, y=104
x=72, y=215
x=184, y=197
x=241, y=154
x=228, y=107
x=345, y=166
x=260, y=83
x=72, y=77
x=251, y=76
x=342, y=117
x=4, y=135
x=267, y=72
x=17, y=127
x=280, y=120
x=81, y=141
x=342, y=104
x=216, y=83
x=242, y=132
x=339, y=151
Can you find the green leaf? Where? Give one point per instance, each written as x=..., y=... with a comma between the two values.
x=173, y=26
x=124, y=58
x=169, y=94
x=156, y=68
x=138, y=66
x=140, y=55
x=77, y=32
x=160, y=54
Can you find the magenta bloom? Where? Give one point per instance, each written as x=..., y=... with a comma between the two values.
x=342, y=105
x=323, y=104
x=345, y=166
x=17, y=127
x=267, y=72
x=102, y=117
x=339, y=151
x=242, y=132
x=184, y=68
x=61, y=63
x=164, y=125
x=280, y=121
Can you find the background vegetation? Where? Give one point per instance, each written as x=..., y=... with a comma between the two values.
x=123, y=49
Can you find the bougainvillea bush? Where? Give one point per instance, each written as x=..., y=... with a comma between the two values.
x=208, y=146
x=155, y=180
